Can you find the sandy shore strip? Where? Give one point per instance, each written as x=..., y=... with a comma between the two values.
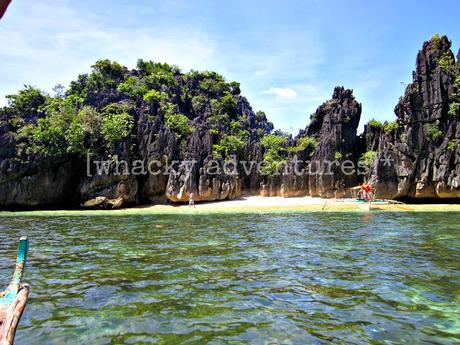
x=307, y=204
x=251, y=204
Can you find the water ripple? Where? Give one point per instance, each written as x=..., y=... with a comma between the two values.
x=259, y=279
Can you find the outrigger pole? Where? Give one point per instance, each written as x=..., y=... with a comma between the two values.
x=13, y=300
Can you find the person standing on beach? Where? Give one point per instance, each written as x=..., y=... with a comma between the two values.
x=366, y=191
x=191, y=202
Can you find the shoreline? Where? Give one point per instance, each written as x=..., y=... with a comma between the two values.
x=250, y=204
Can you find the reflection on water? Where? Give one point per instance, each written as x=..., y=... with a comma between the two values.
x=280, y=278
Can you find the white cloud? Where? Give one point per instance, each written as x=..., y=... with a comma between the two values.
x=283, y=93
x=55, y=41
x=41, y=52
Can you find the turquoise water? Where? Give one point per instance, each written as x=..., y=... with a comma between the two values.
x=236, y=279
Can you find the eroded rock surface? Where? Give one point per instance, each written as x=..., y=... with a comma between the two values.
x=424, y=148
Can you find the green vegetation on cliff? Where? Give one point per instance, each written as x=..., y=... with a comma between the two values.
x=386, y=126
x=433, y=131
x=304, y=143
x=275, y=153
x=100, y=111
x=367, y=159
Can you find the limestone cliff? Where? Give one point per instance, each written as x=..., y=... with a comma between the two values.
x=424, y=144
x=193, y=126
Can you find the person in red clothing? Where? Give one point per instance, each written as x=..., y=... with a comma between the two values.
x=3, y=6
x=366, y=190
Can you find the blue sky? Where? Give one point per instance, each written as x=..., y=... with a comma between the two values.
x=288, y=55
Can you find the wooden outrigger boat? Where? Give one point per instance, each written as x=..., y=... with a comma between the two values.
x=13, y=300
x=372, y=203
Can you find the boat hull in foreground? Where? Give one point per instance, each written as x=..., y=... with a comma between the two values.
x=13, y=300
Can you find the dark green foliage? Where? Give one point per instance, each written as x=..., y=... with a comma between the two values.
x=75, y=136
x=260, y=116
x=368, y=158
x=436, y=39
x=433, y=131
x=275, y=153
x=105, y=75
x=232, y=141
x=390, y=126
x=235, y=88
x=116, y=127
x=198, y=102
x=97, y=110
x=224, y=122
x=155, y=96
x=79, y=88
x=48, y=136
x=24, y=106
x=229, y=144
x=454, y=109
x=213, y=84
x=223, y=110
x=304, y=143
x=84, y=131
x=66, y=129
x=150, y=67
x=454, y=105
x=373, y=123
x=338, y=156
x=225, y=105
x=280, y=133
x=178, y=124
x=133, y=87
x=457, y=87
x=447, y=63
x=117, y=123
x=452, y=146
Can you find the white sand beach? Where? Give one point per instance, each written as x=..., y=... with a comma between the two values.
x=307, y=204
x=250, y=204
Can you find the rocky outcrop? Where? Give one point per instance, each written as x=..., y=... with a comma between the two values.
x=423, y=148
x=101, y=202
x=334, y=125
x=202, y=182
x=196, y=134
x=39, y=183
x=317, y=171
x=195, y=118
x=209, y=178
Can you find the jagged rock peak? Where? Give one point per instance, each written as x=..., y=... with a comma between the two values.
x=424, y=147
x=427, y=97
x=431, y=52
x=341, y=108
x=340, y=93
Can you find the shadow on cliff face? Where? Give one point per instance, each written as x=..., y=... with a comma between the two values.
x=424, y=141
x=156, y=111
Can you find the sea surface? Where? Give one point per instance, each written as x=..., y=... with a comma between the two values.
x=284, y=278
